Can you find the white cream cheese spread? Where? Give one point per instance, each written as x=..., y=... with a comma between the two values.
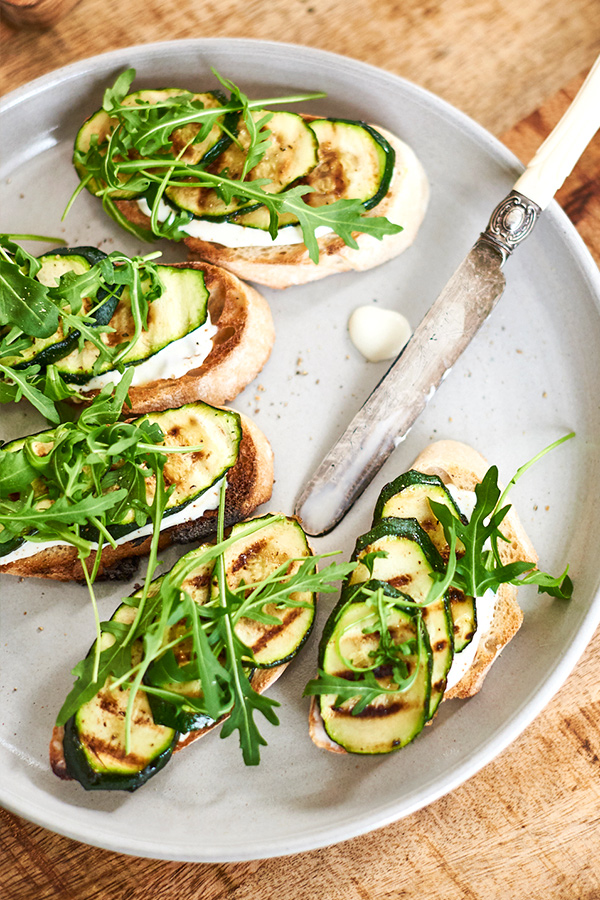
x=173, y=361
x=194, y=510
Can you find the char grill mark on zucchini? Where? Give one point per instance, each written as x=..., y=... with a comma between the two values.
x=409, y=559
x=94, y=738
x=100, y=126
x=394, y=718
x=55, y=264
x=101, y=763
x=408, y=497
x=181, y=309
x=217, y=431
x=291, y=155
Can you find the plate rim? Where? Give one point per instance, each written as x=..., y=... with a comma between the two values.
x=529, y=710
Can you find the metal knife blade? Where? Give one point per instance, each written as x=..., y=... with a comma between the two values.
x=385, y=418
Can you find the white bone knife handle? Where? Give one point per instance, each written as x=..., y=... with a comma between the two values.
x=556, y=157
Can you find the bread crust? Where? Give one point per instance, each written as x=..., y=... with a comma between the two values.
x=249, y=484
x=459, y=464
x=240, y=348
x=284, y=265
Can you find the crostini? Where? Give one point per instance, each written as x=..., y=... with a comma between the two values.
x=224, y=445
x=204, y=334
x=303, y=165
x=391, y=650
x=172, y=706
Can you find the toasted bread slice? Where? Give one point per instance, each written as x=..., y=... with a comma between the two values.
x=283, y=265
x=240, y=348
x=249, y=484
x=458, y=464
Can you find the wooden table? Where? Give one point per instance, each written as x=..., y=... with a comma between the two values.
x=528, y=825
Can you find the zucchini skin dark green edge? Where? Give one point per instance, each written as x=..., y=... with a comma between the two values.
x=102, y=315
x=412, y=477
x=390, y=163
x=80, y=769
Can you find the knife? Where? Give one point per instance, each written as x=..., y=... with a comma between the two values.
x=460, y=310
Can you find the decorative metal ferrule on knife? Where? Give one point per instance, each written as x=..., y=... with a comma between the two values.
x=510, y=223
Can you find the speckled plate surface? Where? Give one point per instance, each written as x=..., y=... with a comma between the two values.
x=530, y=376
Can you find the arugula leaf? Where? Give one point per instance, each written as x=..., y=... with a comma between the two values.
x=366, y=688
x=25, y=384
x=113, y=96
x=24, y=301
x=16, y=474
x=344, y=217
x=480, y=568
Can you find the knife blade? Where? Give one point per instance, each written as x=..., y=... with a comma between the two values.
x=451, y=323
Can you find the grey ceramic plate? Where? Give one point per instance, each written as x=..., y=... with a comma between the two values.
x=530, y=376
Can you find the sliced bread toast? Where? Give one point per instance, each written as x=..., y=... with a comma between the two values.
x=460, y=465
x=249, y=484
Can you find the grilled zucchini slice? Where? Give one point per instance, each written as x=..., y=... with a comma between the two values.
x=217, y=431
x=394, y=718
x=408, y=497
x=181, y=309
x=409, y=559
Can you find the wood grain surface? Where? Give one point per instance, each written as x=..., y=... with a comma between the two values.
x=528, y=826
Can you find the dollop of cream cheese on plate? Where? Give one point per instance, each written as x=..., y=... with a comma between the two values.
x=378, y=333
